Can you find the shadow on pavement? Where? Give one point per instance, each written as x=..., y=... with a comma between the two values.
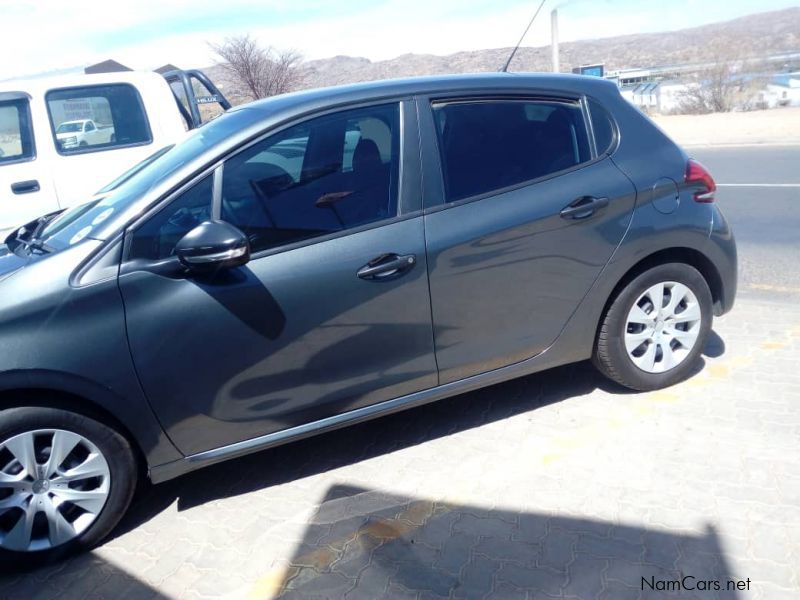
x=84, y=576
x=368, y=544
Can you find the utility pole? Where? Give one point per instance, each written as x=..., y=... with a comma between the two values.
x=554, y=40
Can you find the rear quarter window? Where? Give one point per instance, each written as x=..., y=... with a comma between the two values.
x=603, y=126
x=95, y=118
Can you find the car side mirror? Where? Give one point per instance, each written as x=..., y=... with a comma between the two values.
x=213, y=245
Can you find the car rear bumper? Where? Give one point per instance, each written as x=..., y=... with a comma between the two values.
x=721, y=251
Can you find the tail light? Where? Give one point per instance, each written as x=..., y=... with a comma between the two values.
x=698, y=175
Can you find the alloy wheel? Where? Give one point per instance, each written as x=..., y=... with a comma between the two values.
x=53, y=485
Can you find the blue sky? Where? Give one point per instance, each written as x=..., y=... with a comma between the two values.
x=56, y=34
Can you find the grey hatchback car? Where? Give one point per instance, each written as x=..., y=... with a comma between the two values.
x=321, y=258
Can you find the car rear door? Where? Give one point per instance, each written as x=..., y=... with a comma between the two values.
x=521, y=215
x=332, y=312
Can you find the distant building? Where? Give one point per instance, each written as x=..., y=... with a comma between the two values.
x=656, y=96
x=107, y=66
x=782, y=90
x=663, y=89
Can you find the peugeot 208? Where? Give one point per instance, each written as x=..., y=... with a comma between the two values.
x=322, y=258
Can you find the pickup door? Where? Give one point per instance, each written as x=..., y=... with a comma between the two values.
x=25, y=190
x=518, y=228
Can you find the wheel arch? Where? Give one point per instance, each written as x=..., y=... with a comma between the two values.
x=69, y=392
x=689, y=256
x=49, y=397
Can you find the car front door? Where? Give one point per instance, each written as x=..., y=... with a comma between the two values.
x=331, y=313
x=522, y=214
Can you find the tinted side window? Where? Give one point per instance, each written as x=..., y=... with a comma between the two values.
x=116, y=110
x=16, y=137
x=325, y=175
x=493, y=144
x=156, y=239
x=603, y=127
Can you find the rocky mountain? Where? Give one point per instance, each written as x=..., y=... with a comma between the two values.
x=756, y=35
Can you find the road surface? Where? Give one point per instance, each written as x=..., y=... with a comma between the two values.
x=759, y=193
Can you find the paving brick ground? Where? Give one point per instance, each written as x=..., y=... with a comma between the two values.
x=558, y=485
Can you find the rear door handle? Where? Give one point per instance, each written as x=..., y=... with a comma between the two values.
x=583, y=208
x=387, y=266
x=25, y=187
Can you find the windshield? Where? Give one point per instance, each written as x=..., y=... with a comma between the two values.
x=134, y=170
x=68, y=127
x=65, y=218
x=82, y=224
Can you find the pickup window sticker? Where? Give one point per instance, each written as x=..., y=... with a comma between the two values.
x=102, y=216
x=80, y=235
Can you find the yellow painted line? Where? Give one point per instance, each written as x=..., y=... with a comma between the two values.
x=662, y=396
x=773, y=345
x=717, y=371
x=774, y=288
x=375, y=533
x=273, y=583
x=551, y=458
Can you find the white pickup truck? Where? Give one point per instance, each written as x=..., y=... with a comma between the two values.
x=82, y=133
x=63, y=138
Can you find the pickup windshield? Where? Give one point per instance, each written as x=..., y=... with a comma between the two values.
x=90, y=220
x=68, y=127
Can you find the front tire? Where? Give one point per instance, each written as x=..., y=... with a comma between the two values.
x=65, y=482
x=655, y=329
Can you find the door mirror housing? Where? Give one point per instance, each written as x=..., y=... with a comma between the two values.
x=213, y=245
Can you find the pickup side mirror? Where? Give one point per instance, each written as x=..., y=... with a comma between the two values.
x=211, y=246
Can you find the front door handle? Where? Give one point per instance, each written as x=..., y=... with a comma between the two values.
x=583, y=208
x=387, y=266
x=25, y=187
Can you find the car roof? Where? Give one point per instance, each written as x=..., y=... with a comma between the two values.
x=438, y=84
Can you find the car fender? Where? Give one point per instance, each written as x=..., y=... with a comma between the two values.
x=134, y=417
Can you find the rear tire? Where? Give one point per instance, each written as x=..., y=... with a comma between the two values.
x=643, y=346
x=74, y=500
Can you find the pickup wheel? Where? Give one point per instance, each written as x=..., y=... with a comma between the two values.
x=82, y=144
x=65, y=482
x=655, y=329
